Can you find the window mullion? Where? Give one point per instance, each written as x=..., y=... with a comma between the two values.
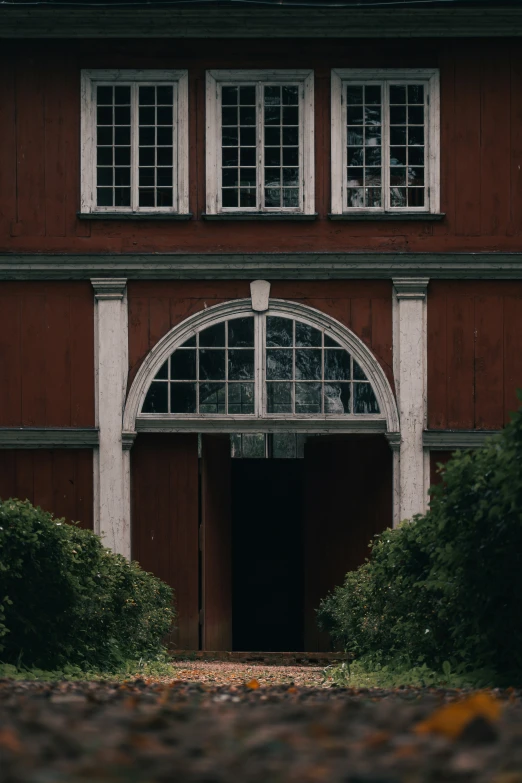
x=386, y=144
x=260, y=176
x=260, y=394
x=134, y=146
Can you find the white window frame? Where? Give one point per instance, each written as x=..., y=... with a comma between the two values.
x=90, y=79
x=215, y=80
x=427, y=76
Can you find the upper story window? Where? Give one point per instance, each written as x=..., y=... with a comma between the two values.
x=385, y=141
x=260, y=142
x=134, y=142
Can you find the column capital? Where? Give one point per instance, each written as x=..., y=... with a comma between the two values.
x=127, y=439
x=109, y=287
x=411, y=287
x=394, y=440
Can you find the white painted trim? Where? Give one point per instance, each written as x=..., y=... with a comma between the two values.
x=214, y=81
x=410, y=344
x=111, y=479
x=235, y=309
x=134, y=77
x=340, y=78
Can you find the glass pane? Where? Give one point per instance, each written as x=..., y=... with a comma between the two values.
x=163, y=371
x=337, y=398
x=284, y=445
x=306, y=335
x=213, y=337
x=308, y=398
x=212, y=397
x=358, y=373
x=336, y=365
x=329, y=342
x=279, y=397
x=183, y=365
x=253, y=445
x=279, y=331
x=183, y=398
x=240, y=364
x=156, y=400
x=279, y=364
x=241, y=333
x=364, y=399
x=241, y=398
x=308, y=365
x=212, y=365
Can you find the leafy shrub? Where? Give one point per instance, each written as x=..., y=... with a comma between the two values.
x=446, y=585
x=65, y=599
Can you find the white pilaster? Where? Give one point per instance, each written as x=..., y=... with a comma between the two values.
x=112, y=512
x=410, y=362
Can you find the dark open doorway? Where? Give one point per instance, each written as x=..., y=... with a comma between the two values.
x=267, y=554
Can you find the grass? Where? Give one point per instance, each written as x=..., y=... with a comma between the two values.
x=160, y=668
x=365, y=674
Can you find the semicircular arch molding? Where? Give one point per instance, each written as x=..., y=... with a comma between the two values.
x=386, y=420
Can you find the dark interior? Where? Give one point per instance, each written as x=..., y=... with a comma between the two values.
x=267, y=555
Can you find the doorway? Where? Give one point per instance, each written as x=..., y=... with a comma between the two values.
x=267, y=554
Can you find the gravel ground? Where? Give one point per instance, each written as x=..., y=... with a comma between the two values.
x=204, y=731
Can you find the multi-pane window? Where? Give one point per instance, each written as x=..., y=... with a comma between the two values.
x=260, y=142
x=134, y=139
x=263, y=365
x=308, y=372
x=385, y=141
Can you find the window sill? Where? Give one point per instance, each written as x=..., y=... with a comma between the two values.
x=259, y=216
x=383, y=216
x=133, y=216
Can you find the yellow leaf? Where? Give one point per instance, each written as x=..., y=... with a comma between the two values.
x=451, y=719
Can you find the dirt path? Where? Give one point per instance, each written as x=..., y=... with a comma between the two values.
x=204, y=731
x=228, y=673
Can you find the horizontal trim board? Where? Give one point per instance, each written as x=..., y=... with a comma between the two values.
x=259, y=216
x=227, y=266
x=350, y=426
x=133, y=216
x=405, y=217
x=251, y=22
x=48, y=437
x=447, y=440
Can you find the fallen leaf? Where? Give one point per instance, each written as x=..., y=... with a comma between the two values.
x=451, y=719
x=9, y=740
x=253, y=685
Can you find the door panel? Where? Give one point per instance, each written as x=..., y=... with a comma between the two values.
x=216, y=558
x=165, y=522
x=348, y=499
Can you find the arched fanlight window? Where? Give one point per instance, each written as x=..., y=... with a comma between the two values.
x=262, y=365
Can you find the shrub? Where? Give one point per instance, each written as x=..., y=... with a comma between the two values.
x=65, y=599
x=445, y=586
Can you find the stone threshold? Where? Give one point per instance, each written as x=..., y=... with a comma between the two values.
x=269, y=658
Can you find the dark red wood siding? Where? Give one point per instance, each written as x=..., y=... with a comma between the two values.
x=165, y=522
x=474, y=354
x=58, y=480
x=365, y=307
x=46, y=354
x=481, y=146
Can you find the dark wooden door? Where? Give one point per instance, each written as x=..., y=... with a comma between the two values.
x=165, y=522
x=216, y=543
x=348, y=499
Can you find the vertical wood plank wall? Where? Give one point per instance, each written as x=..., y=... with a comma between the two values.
x=164, y=471
x=46, y=354
x=364, y=306
x=481, y=146
x=58, y=480
x=474, y=353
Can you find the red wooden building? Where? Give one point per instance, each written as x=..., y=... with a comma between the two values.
x=260, y=270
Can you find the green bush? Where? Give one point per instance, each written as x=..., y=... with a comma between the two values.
x=65, y=599
x=446, y=585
